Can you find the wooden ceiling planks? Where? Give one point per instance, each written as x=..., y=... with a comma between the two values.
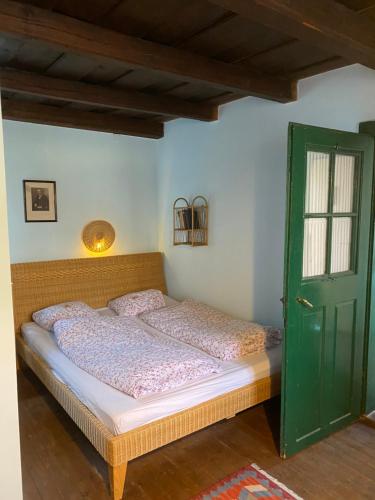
x=318, y=68
x=86, y=39
x=365, y=8
x=325, y=24
x=358, y=5
x=92, y=11
x=23, y=110
x=99, y=95
x=233, y=39
x=8, y=48
x=189, y=19
x=106, y=72
x=72, y=66
x=34, y=55
x=44, y=4
x=286, y=58
x=217, y=33
x=194, y=92
x=136, y=18
x=147, y=82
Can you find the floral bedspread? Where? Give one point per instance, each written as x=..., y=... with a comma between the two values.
x=212, y=331
x=120, y=353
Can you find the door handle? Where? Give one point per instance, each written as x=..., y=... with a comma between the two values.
x=304, y=302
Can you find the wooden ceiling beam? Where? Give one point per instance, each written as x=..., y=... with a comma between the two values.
x=77, y=36
x=319, y=67
x=86, y=93
x=323, y=23
x=27, y=111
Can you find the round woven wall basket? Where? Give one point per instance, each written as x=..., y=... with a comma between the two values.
x=98, y=236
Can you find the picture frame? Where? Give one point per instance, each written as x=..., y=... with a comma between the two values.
x=40, y=201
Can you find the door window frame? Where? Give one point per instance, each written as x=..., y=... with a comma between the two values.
x=330, y=215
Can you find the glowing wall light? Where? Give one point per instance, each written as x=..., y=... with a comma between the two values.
x=98, y=236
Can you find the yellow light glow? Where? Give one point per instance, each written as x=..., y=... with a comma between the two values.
x=99, y=246
x=98, y=236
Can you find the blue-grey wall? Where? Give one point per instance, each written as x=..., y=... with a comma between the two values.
x=98, y=176
x=240, y=164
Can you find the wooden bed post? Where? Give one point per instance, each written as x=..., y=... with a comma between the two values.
x=117, y=474
x=20, y=364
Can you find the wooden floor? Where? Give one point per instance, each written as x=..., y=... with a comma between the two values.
x=59, y=463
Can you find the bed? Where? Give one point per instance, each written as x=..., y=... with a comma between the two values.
x=121, y=428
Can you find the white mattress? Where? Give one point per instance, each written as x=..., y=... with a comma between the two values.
x=120, y=412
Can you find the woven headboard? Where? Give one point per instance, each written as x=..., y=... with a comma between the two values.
x=92, y=280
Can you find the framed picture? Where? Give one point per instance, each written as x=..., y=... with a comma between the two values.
x=40, y=201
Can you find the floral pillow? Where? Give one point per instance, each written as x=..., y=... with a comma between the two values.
x=47, y=317
x=136, y=303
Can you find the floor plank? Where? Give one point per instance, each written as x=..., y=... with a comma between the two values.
x=59, y=463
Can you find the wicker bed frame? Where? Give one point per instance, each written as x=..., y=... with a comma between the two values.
x=95, y=281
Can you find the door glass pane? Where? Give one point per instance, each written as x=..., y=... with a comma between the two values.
x=314, y=247
x=341, y=244
x=317, y=182
x=344, y=183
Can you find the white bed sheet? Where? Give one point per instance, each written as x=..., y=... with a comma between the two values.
x=120, y=412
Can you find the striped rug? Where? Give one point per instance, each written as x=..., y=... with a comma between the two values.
x=251, y=482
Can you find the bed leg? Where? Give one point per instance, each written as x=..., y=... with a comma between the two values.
x=117, y=474
x=20, y=364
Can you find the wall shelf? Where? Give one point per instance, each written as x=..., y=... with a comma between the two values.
x=190, y=222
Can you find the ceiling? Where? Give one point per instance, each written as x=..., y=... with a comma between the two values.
x=127, y=66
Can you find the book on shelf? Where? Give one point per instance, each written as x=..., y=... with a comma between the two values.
x=185, y=218
x=180, y=217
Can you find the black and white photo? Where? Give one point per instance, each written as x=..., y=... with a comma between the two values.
x=40, y=201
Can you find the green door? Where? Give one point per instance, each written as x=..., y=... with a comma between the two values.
x=326, y=274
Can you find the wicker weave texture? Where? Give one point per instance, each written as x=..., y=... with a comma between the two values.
x=93, y=280
x=120, y=449
x=98, y=235
x=161, y=432
x=92, y=428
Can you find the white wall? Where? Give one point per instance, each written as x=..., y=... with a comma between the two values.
x=240, y=164
x=10, y=465
x=98, y=176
